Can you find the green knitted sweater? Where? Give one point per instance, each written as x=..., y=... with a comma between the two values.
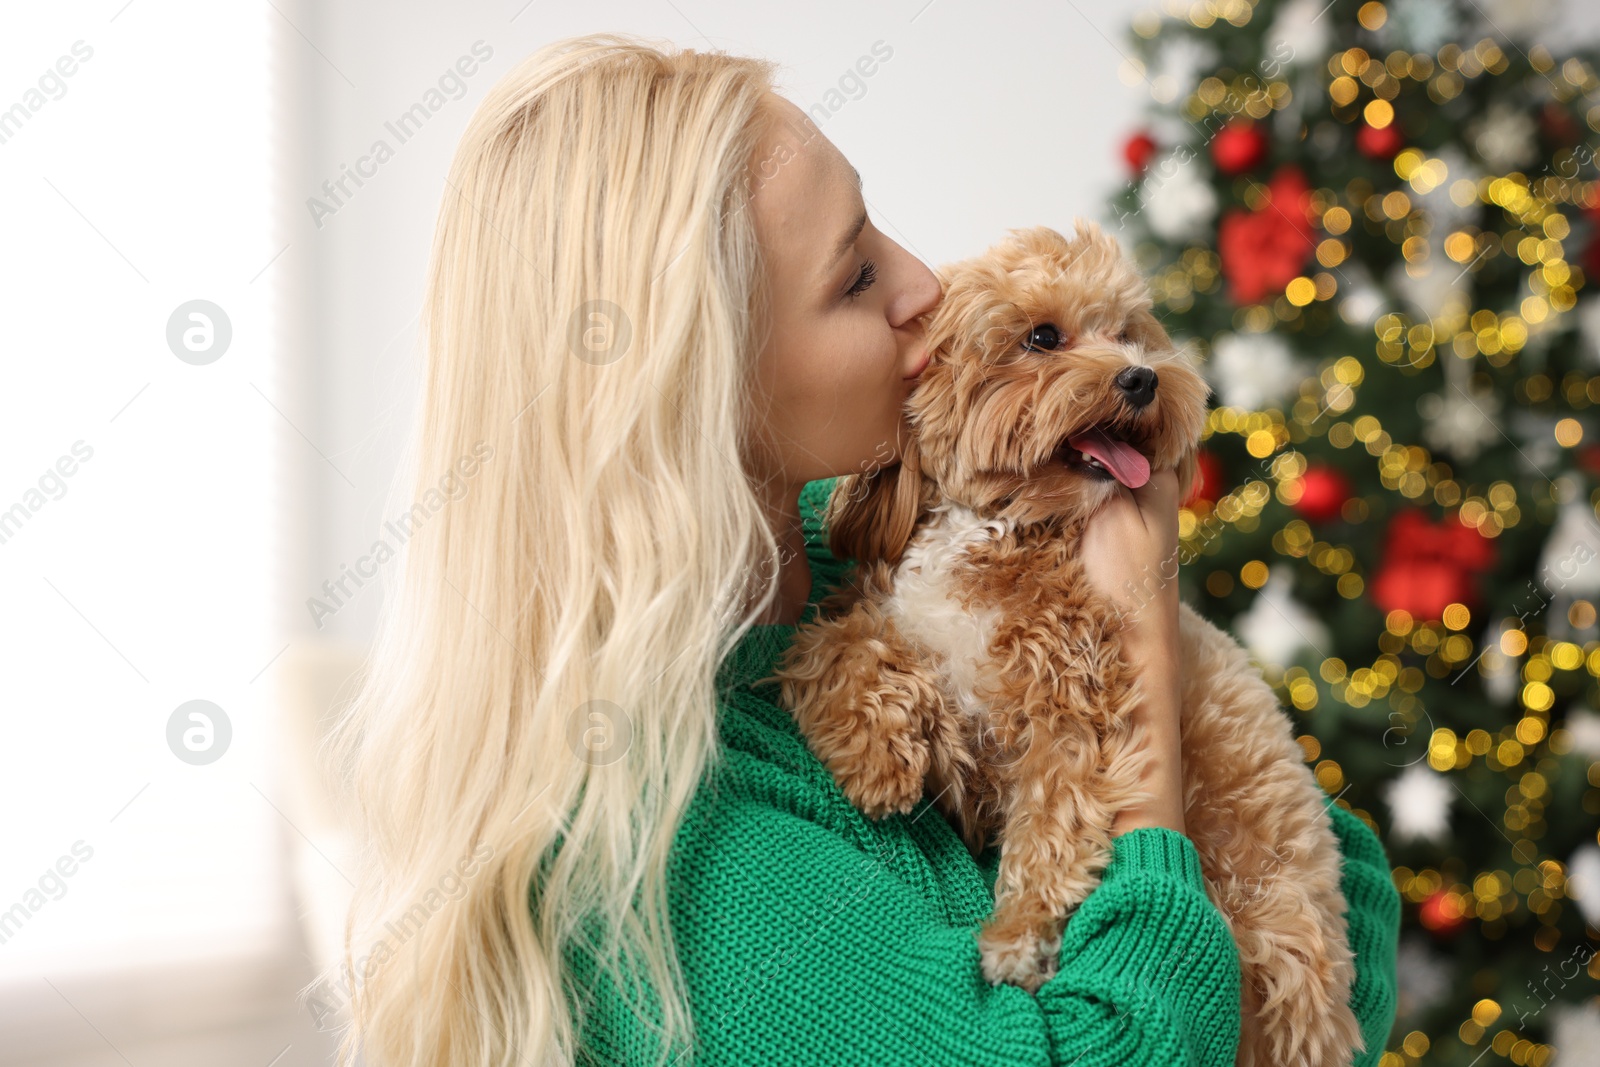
x=810, y=934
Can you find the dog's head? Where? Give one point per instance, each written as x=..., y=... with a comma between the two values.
x=1049, y=382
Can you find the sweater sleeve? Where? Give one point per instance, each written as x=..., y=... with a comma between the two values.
x=1373, y=918
x=798, y=946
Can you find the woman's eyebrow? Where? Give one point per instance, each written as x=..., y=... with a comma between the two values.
x=850, y=235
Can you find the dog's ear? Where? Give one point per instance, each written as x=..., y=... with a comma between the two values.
x=1094, y=235
x=1188, y=468
x=872, y=516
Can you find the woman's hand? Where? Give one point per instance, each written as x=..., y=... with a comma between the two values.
x=1130, y=551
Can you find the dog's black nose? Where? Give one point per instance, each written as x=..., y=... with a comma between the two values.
x=1138, y=385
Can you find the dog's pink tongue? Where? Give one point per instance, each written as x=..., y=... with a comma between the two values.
x=1124, y=461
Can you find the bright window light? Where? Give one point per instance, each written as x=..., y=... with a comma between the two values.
x=139, y=491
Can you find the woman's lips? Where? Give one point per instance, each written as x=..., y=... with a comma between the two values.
x=922, y=365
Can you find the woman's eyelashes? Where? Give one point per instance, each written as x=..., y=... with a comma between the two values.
x=864, y=280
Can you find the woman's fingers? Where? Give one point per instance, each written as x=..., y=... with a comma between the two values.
x=1158, y=499
x=1130, y=548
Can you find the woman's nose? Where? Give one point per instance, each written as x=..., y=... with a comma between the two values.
x=921, y=295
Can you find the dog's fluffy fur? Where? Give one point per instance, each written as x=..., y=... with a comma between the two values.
x=969, y=655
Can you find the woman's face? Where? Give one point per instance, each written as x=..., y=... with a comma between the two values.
x=846, y=346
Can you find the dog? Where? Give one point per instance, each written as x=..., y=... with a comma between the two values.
x=967, y=654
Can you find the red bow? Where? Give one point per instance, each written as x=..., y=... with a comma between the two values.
x=1411, y=537
x=1428, y=566
x=1263, y=250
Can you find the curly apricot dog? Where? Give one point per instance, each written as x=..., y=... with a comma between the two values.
x=969, y=655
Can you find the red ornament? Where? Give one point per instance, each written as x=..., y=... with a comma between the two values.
x=1137, y=150
x=1589, y=458
x=1239, y=146
x=1438, y=914
x=1207, y=479
x=1323, y=492
x=1423, y=588
x=1558, y=126
x=1263, y=250
x=1377, y=142
x=1429, y=566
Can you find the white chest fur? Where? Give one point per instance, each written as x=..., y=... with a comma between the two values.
x=925, y=607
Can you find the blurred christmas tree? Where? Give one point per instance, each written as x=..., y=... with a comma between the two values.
x=1377, y=223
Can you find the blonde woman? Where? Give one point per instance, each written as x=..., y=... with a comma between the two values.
x=659, y=323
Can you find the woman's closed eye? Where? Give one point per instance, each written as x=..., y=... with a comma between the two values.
x=864, y=279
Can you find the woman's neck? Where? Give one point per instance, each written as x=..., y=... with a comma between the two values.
x=794, y=574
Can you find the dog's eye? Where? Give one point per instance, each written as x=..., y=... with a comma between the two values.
x=1044, y=338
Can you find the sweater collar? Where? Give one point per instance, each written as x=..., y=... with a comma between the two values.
x=757, y=652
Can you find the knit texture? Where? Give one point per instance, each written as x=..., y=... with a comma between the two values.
x=809, y=933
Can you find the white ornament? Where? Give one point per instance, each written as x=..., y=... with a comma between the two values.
x=1417, y=25
x=1569, y=566
x=1362, y=301
x=1179, y=59
x=1419, y=804
x=1498, y=671
x=1178, y=203
x=1535, y=354
x=1588, y=315
x=1296, y=47
x=1460, y=422
x=1362, y=305
x=1254, y=371
x=1444, y=213
x=1538, y=454
x=1504, y=137
x=1575, y=1035
x=1166, y=127
x=1299, y=35
x=1438, y=282
x=1519, y=20
x=1583, y=728
x=1276, y=626
x=1583, y=882
x=1425, y=976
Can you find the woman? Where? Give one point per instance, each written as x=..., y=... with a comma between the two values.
x=659, y=315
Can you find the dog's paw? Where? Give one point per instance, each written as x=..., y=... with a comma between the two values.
x=879, y=783
x=1019, y=956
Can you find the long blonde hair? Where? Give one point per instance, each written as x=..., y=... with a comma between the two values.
x=544, y=670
